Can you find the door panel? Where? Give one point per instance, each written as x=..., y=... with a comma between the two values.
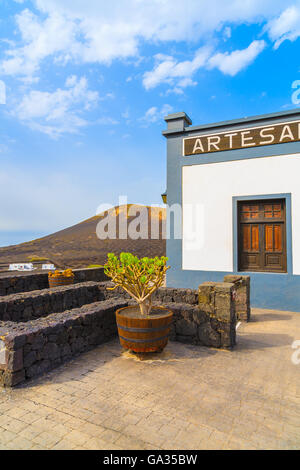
x=250, y=251
x=250, y=261
x=250, y=238
x=273, y=262
x=255, y=237
x=246, y=230
x=274, y=252
x=268, y=237
x=278, y=245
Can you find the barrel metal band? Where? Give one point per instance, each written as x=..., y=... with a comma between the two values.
x=146, y=340
x=143, y=330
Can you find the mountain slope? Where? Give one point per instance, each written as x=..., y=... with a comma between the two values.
x=79, y=246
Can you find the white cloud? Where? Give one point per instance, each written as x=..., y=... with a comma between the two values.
x=54, y=36
x=98, y=31
x=179, y=74
x=286, y=26
x=169, y=70
x=107, y=121
x=154, y=114
x=227, y=33
x=234, y=62
x=181, y=84
x=57, y=112
x=2, y=92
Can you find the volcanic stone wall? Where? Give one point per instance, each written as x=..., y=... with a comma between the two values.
x=12, y=283
x=241, y=295
x=32, y=348
x=162, y=294
x=40, y=303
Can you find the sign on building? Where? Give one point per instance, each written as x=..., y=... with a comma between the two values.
x=244, y=138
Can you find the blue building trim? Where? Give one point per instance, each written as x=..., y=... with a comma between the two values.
x=268, y=290
x=271, y=291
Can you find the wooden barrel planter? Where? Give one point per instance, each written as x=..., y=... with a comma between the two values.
x=144, y=334
x=61, y=278
x=61, y=281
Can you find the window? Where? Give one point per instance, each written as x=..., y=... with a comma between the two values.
x=262, y=236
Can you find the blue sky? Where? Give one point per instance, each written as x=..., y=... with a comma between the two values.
x=88, y=82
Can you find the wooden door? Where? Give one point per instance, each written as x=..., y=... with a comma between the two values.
x=262, y=236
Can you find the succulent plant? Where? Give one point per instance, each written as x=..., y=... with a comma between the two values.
x=139, y=277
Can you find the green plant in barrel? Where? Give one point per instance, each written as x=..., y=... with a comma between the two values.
x=139, y=277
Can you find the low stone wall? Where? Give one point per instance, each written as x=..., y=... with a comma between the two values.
x=32, y=348
x=162, y=295
x=89, y=274
x=217, y=300
x=169, y=294
x=14, y=283
x=31, y=305
x=241, y=295
x=192, y=325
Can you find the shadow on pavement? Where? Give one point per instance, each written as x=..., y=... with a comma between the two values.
x=262, y=341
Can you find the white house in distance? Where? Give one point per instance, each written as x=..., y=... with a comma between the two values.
x=238, y=183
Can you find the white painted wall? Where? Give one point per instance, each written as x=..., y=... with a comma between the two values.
x=208, y=190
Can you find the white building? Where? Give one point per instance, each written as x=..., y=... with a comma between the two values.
x=238, y=183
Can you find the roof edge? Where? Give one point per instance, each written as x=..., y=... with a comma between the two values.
x=234, y=122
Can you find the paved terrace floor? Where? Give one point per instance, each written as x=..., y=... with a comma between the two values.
x=186, y=398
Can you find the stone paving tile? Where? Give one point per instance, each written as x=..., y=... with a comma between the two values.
x=29, y=433
x=6, y=436
x=14, y=425
x=185, y=398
